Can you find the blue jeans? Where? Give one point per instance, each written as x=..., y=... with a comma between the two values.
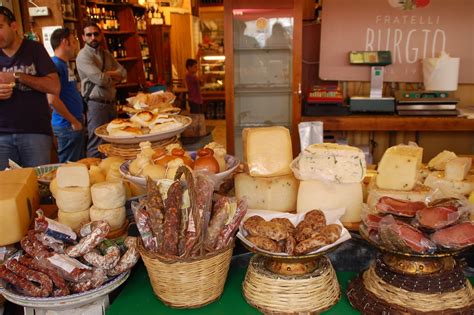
x=26, y=149
x=70, y=144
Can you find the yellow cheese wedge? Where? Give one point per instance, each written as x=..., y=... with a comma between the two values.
x=16, y=212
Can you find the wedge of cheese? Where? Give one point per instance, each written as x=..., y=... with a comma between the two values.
x=399, y=167
x=325, y=195
x=16, y=212
x=438, y=163
x=419, y=193
x=450, y=188
x=267, y=193
x=457, y=168
x=72, y=175
x=26, y=176
x=267, y=151
x=332, y=162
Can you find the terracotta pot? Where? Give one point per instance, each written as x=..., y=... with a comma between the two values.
x=205, y=161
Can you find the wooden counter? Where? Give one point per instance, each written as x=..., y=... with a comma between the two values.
x=209, y=96
x=392, y=123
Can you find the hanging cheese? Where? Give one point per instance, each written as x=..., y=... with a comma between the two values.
x=96, y=175
x=332, y=162
x=399, y=167
x=74, y=219
x=267, y=193
x=71, y=175
x=267, y=151
x=115, y=217
x=109, y=194
x=457, y=168
x=438, y=163
x=105, y=164
x=419, y=193
x=26, y=176
x=450, y=188
x=113, y=173
x=324, y=195
x=73, y=199
x=16, y=212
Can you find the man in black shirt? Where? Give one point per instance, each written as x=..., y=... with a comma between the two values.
x=27, y=74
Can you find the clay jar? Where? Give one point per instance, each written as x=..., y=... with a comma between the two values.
x=205, y=161
x=179, y=153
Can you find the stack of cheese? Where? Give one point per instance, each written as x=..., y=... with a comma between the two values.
x=108, y=200
x=73, y=195
x=19, y=199
x=331, y=178
x=268, y=183
x=450, y=174
x=397, y=176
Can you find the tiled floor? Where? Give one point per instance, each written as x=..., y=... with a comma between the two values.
x=219, y=132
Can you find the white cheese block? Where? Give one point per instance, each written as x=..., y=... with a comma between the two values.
x=267, y=151
x=71, y=175
x=73, y=199
x=267, y=193
x=450, y=188
x=419, y=193
x=331, y=162
x=74, y=219
x=399, y=167
x=457, y=168
x=109, y=194
x=324, y=195
x=438, y=163
x=15, y=212
x=115, y=217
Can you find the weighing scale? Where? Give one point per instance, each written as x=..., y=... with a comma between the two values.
x=375, y=102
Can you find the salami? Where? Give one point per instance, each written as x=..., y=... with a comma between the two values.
x=107, y=261
x=143, y=225
x=86, y=244
x=155, y=208
x=170, y=232
x=97, y=279
x=175, y=196
x=33, y=247
x=230, y=229
x=44, y=282
x=129, y=259
x=25, y=286
x=205, y=189
x=217, y=223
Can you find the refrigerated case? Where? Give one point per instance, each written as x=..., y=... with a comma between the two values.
x=263, y=67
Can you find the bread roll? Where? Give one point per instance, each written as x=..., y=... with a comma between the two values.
x=144, y=118
x=119, y=123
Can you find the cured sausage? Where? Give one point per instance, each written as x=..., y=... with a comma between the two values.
x=107, y=261
x=129, y=259
x=33, y=247
x=25, y=286
x=217, y=223
x=44, y=282
x=456, y=237
x=155, y=208
x=231, y=228
x=97, y=279
x=399, y=207
x=143, y=225
x=171, y=232
x=264, y=243
x=86, y=244
x=437, y=217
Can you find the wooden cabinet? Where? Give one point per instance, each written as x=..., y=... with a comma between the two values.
x=160, y=47
x=263, y=43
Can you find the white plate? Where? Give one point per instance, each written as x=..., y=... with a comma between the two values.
x=43, y=169
x=231, y=162
x=152, y=137
x=64, y=302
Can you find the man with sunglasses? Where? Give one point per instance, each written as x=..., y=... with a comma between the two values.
x=99, y=73
x=67, y=118
x=27, y=74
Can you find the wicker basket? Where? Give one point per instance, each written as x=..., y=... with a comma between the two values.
x=276, y=294
x=130, y=151
x=188, y=283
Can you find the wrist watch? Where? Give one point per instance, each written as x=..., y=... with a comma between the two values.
x=16, y=75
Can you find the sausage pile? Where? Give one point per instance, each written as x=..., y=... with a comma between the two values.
x=279, y=235
x=182, y=221
x=58, y=262
x=416, y=227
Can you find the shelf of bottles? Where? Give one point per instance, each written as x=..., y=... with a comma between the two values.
x=155, y=15
x=106, y=18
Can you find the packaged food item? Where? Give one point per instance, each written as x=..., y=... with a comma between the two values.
x=455, y=237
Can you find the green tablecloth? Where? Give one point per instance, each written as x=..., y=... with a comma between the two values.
x=137, y=297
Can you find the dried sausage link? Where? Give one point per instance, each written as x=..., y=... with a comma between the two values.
x=44, y=282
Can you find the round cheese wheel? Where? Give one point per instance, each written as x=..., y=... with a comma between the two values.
x=115, y=217
x=73, y=219
x=73, y=199
x=108, y=194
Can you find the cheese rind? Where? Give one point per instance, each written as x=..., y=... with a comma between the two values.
x=332, y=162
x=74, y=219
x=457, y=168
x=15, y=212
x=72, y=175
x=73, y=199
x=438, y=163
x=115, y=217
x=267, y=151
x=109, y=194
x=399, y=167
x=267, y=193
x=450, y=188
x=325, y=195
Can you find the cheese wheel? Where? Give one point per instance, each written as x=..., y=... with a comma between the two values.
x=73, y=199
x=109, y=194
x=73, y=174
x=115, y=217
x=73, y=219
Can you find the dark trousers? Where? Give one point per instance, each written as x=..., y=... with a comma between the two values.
x=196, y=108
x=70, y=144
x=98, y=114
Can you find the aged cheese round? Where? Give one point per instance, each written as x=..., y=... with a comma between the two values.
x=73, y=199
x=73, y=219
x=109, y=194
x=106, y=163
x=115, y=217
